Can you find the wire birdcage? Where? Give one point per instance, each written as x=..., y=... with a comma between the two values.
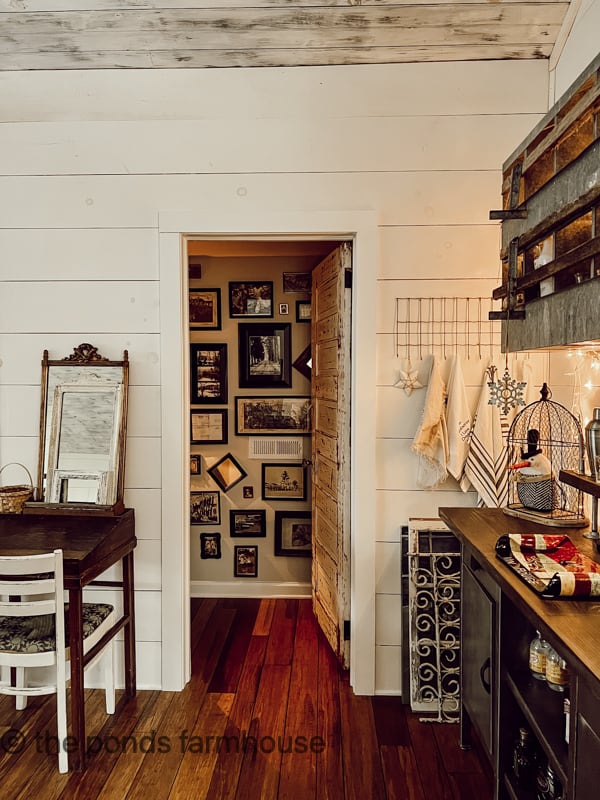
x=545, y=438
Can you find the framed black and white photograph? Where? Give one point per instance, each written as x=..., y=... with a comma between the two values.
x=250, y=299
x=195, y=465
x=293, y=533
x=248, y=492
x=283, y=482
x=227, y=472
x=208, y=373
x=304, y=362
x=244, y=522
x=208, y=426
x=245, y=561
x=205, y=508
x=297, y=282
x=264, y=416
x=303, y=311
x=205, y=309
x=265, y=354
x=210, y=545
x=284, y=309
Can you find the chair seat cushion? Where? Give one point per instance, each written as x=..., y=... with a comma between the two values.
x=36, y=634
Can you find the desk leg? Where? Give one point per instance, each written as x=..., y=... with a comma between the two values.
x=77, y=694
x=129, y=631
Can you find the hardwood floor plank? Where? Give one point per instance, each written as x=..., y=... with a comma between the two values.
x=471, y=786
x=201, y=610
x=401, y=773
x=259, y=776
x=231, y=662
x=359, y=746
x=435, y=780
x=455, y=759
x=264, y=618
x=281, y=638
x=298, y=778
x=390, y=720
x=330, y=775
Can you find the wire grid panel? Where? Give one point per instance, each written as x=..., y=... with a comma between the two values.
x=434, y=620
x=445, y=326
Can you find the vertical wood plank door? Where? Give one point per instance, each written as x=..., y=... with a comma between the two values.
x=330, y=336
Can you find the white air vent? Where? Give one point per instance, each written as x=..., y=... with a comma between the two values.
x=289, y=448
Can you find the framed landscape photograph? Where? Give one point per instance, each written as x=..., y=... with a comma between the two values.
x=264, y=416
x=248, y=523
x=208, y=373
x=205, y=309
x=245, y=560
x=250, y=299
x=195, y=465
x=265, y=354
x=208, y=426
x=205, y=508
x=227, y=472
x=210, y=545
x=297, y=282
x=293, y=533
x=283, y=482
x=303, y=311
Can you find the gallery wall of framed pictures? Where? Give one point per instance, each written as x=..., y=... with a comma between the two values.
x=249, y=376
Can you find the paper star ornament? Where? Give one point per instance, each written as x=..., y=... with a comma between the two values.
x=409, y=380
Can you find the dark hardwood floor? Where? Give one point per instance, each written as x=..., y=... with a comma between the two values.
x=267, y=715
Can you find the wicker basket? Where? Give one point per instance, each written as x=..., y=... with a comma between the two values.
x=12, y=498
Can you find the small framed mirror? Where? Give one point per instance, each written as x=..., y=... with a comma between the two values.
x=83, y=427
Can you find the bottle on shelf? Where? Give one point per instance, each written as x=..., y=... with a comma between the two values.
x=548, y=786
x=538, y=650
x=557, y=671
x=525, y=759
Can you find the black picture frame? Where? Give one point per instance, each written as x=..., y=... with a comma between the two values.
x=303, y=311
x=245, y=561
x=285, y=482
x=204, y=309
x=208, y=373
x=208, y=426
x=304, y=362
x=250, y=299
x=265, y=354
x=210, y=545
x=227, y=472
x=205, y=508
x=195, y=465
x=297, y=282
x=272, y=416
x=293, y=533
x=248, y=522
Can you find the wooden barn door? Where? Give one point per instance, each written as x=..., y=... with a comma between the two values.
x=330, y=336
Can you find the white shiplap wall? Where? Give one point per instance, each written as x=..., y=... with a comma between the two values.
x=87, y=161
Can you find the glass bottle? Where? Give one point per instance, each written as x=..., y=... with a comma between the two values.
x=548, y=785
x=592, y=441
x=538, y=650
x=524, y=759
x=557, y=672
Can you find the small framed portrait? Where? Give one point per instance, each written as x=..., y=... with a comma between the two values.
x=297, y=282
x=210, y=545
x=227, y=472
x=244, y=522
x=284, y=309
x=283, y=482
x=272, y=416
x=265, y=354
x=250, y=299
x=195, y=465
x=205, y=508
x=293, y=533
x=208, y=426
x=303, y=311
x=208, y=373
x=245, y=560
x=205, y=309
x=248, y=492
x=304, y=363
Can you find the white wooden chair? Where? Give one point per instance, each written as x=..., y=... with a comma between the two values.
x=32, y=634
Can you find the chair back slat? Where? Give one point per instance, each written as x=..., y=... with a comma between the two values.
x=27, y=608
x=29, y=585
x=27, y=565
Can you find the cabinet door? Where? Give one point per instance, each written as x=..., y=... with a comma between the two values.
x=587, y=742
x=478, y=611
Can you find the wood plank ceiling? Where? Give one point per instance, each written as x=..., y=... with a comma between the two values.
x=114, y=34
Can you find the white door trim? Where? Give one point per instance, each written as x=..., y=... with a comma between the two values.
x=174, y=227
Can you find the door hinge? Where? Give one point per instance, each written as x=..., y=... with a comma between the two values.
x=346, y=630
x=348, y=279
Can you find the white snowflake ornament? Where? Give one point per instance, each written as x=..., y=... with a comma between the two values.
x=506, y=392
x=408, y=380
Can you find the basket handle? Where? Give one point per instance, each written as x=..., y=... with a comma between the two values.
x=18, y=464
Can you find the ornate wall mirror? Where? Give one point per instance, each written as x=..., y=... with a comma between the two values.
x=83, y=423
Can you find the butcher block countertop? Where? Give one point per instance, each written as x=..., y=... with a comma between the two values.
x=571, y=625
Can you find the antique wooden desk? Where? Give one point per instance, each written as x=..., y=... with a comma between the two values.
x=90, y=543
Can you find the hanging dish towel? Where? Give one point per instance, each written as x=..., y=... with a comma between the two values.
x=486, y=465
x=431, y=439
x=459, y=422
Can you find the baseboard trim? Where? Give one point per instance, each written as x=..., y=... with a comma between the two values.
x=254, y=589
